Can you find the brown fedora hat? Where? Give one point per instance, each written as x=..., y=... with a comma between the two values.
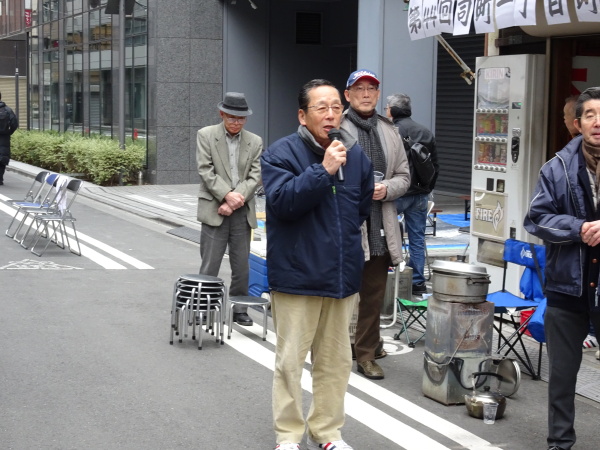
x=235, y=104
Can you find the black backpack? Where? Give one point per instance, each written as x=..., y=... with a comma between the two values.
x=4, y=120
x=422, y=170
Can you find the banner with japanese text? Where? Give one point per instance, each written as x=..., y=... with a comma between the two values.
x=431, y=17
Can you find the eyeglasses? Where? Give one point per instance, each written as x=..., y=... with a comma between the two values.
x=589, y=118
x=322, y=109
x=369, y=89
x=235, y=119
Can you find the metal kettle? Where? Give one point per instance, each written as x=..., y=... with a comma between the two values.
x=476, y=400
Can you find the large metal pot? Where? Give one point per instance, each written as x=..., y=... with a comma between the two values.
x=459, y=282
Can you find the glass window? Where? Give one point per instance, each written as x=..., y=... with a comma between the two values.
x=34, y=13
x=73, y=102
x=73, y=7
x=3, y=16
x=50, y=77
x=100, y=72
x=50, y=10
x=106, y=87
x=85, y=22
x=15, y=9
x=34, y=81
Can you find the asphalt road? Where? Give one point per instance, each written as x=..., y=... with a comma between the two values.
x=86, y=363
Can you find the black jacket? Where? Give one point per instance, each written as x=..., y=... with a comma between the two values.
x=417, y=133
x=5, y=137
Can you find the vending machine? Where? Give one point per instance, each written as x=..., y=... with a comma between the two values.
x=508, y=152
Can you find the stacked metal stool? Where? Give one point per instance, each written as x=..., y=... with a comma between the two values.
x=198, y=298
x=248, y=300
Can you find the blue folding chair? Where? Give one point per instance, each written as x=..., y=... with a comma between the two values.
x=533, y=259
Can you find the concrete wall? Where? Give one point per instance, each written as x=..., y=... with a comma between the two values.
x=384, y=46
x=263, y=60
x=185, y=83
x=200, y=48
x=246, y=59
x=293, y=64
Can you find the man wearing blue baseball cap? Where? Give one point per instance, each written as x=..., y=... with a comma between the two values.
x=381, y=142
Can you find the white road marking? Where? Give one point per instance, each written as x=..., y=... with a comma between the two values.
x=391, y=428
x=162, y=205
x=87, y=251
x=186, y=199
x=32, y=264
x=99, y=258
x=111, y=250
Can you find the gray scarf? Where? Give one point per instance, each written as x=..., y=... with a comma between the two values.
x=309, y=140
x=368, y=138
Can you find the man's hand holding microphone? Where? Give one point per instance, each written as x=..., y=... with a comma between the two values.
x=335, y=154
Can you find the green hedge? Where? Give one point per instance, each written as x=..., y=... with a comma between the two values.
x=98, y=158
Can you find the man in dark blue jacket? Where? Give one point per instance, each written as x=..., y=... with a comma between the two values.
x=564, y=213
x=314, y=261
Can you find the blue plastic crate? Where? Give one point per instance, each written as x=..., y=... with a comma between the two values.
x=258, y=281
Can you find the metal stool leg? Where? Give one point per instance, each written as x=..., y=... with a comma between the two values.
x=229, y=318
x=264, y=307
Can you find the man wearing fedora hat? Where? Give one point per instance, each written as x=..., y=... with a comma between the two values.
x=228, y=160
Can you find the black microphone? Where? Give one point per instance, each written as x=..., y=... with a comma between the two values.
x=335, y=135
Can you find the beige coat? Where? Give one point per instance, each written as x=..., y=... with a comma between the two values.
x=212, y=156
x=397, y=182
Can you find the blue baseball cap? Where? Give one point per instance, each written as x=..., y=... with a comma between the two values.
x=359, y=75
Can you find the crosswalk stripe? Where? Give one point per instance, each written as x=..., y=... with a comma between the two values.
x=87, y=251
x=384, y=424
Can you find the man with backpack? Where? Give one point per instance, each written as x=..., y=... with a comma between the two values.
x=8, y=125
x=413, y=204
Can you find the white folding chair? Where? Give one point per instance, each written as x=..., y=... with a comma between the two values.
x=58, y=222
x=36, y=197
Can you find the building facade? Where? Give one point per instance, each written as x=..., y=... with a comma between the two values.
x=181, y=55
x=173, y=67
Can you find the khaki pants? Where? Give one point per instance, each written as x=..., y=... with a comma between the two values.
x=319, y=324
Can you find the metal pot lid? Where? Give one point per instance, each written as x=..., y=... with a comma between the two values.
x=458, y=268
x=510, y=372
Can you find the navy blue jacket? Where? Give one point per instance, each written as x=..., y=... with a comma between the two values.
x=313, y=220
x=561, y=203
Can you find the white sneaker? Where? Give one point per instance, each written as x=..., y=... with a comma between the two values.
x=287, y=447
x=335, y=445
x=590, y=342
x=598, y=354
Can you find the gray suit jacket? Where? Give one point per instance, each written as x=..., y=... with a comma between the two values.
x=212, y=156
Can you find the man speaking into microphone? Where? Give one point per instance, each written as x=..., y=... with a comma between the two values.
x=315, y=261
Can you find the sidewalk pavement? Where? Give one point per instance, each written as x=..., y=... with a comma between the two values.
x=176, y=205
